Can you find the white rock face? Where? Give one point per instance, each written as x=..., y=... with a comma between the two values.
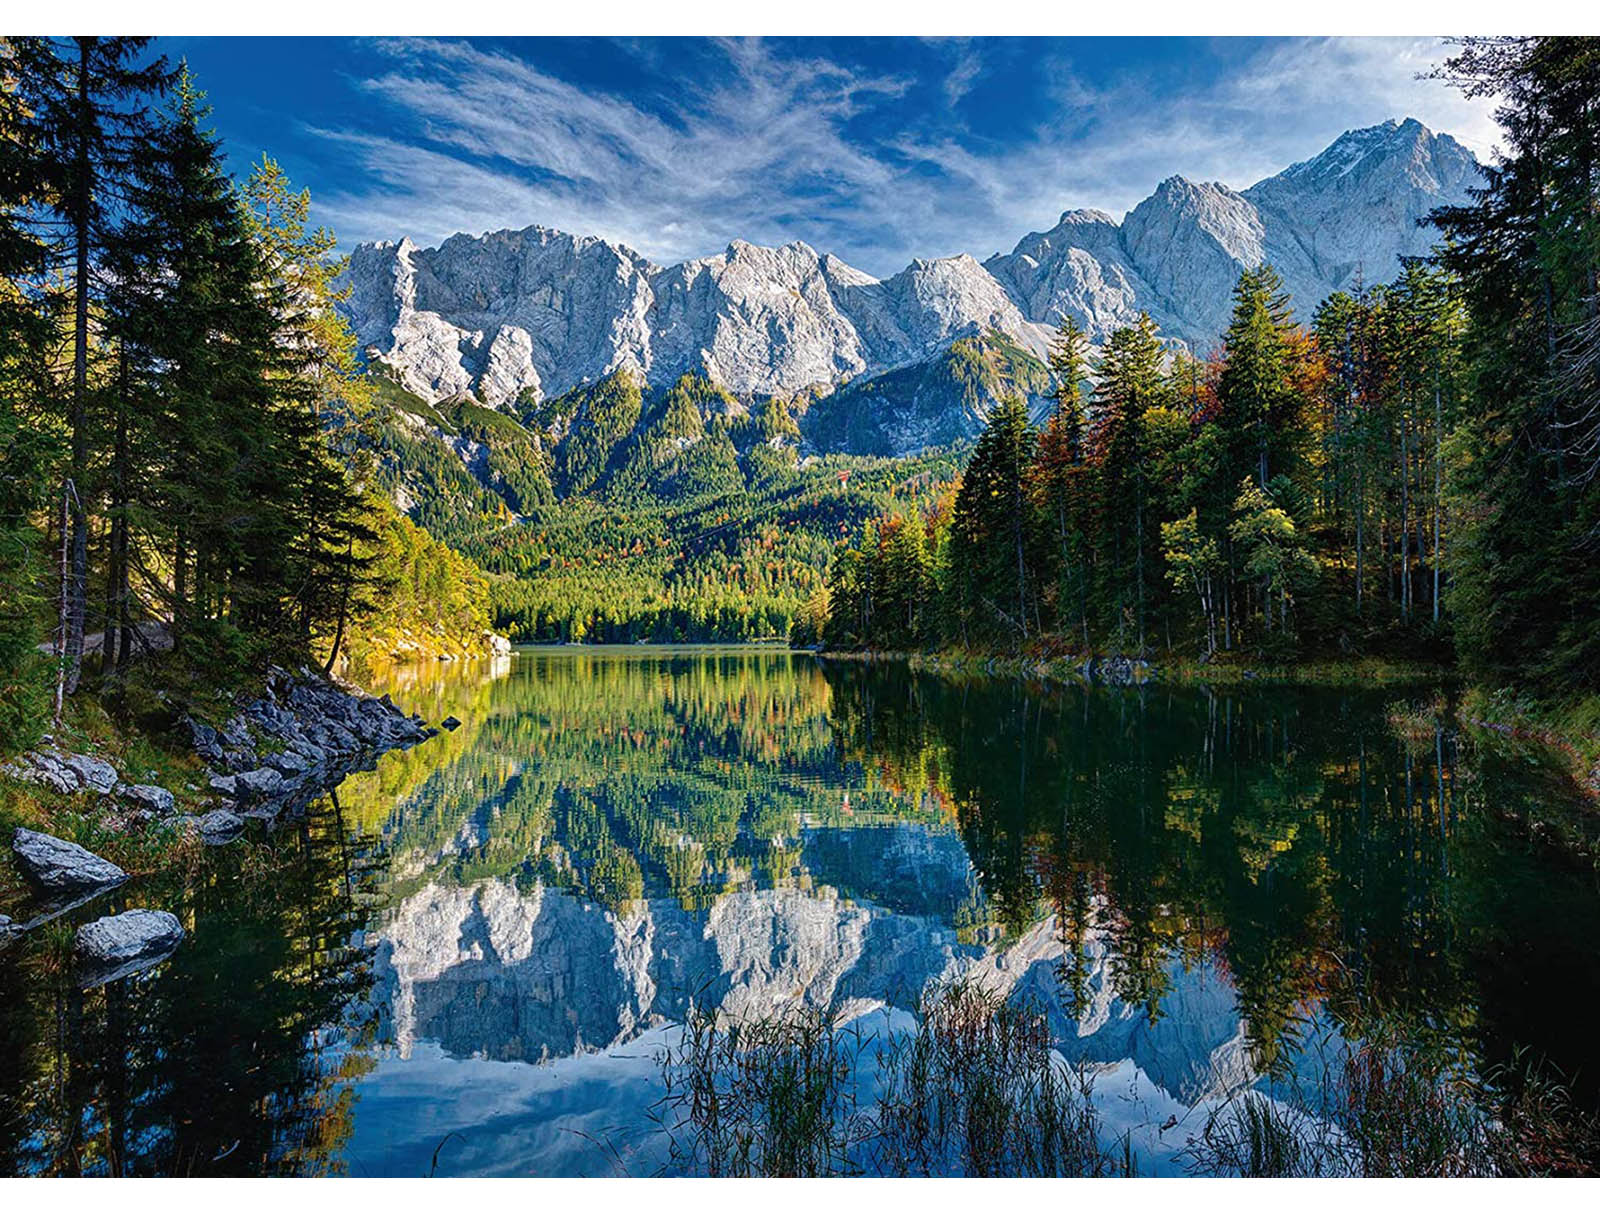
x=1192, y=239
x=1346, y=216
x=542, y=312
x=489, y=971
x=1078, y=268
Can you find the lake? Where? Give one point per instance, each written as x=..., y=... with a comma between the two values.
x=478, y=958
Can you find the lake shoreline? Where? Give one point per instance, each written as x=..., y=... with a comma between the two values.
x=1176, y=672
x=268, y=758
x=1566, y=734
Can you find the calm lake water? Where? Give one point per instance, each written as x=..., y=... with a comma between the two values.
x=470, y=960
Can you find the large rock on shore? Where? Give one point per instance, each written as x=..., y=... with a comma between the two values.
x=65, y=772
x=258, y=782
x=220, y=826
x=92, y=772
x=153, y=798
x=116, y=946
x=58, y=867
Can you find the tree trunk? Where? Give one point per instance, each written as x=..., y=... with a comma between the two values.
x=344, y=612
x=1405, y=524
x=1361, y=543
x=1138, y=526
x=1438, y=488
x=63, y=623
x=82, y=201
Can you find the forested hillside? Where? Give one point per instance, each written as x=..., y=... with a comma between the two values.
x=183, y=442
x=1408, y=469
x=612, y=514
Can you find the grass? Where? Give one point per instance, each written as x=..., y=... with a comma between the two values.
x=1393, y=1110
x=1566, y=731
x=1417, y=723
x=1226, y=672
x=1320, y=672
x=82, y=818
x=769, y=1097
x=977, y=1091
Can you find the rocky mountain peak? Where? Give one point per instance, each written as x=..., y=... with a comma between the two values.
x=535, y=312
x=1423, y=158
x=1084, y=217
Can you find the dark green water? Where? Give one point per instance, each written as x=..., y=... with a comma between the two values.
x=467, y=960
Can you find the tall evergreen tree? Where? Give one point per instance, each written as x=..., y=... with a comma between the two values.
x=201, y=320
x=1132, y=382
x=1255, y=393
x=25, y=454
x=90, y=100
x=1527, y=253
x=325, y=399
x=1060, y=483
x=993, y=533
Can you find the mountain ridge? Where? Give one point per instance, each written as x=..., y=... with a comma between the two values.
x=534, y=313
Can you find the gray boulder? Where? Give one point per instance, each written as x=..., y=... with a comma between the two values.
x=343, y=742
x=288, y=763
x=220, y=826
x=258, y=782
x=116, y=946
x=92, y=773
x=450, y=723
x=42, y=768
x=153, y=798
x=226, y=785
x=237, y=733
x=206, y=743
x=58, y=867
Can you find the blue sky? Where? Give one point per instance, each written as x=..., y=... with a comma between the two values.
x=878, y=150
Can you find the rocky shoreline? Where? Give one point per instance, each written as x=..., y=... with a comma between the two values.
x=269, y=759
x=279, y=752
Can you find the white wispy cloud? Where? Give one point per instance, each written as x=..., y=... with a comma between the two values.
x=767, y=148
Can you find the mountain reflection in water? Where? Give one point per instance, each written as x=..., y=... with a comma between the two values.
x=1201, y=891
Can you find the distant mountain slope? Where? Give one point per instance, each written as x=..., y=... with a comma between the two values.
x=617, y=513
x=534, y=314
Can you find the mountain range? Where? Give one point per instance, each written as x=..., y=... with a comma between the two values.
x=512, y=318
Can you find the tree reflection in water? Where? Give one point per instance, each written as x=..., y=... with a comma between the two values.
x=1327, y=863
x=1213, y=890
x=236, y=1056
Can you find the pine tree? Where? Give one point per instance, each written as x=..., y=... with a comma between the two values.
x=1527, y=253
x=1254, y=394
x=201, y=322
x=1132, y=382
x=325, y=400
x=1060, y=484
x=89, y=98
x=993, y=532
x=25, y=454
